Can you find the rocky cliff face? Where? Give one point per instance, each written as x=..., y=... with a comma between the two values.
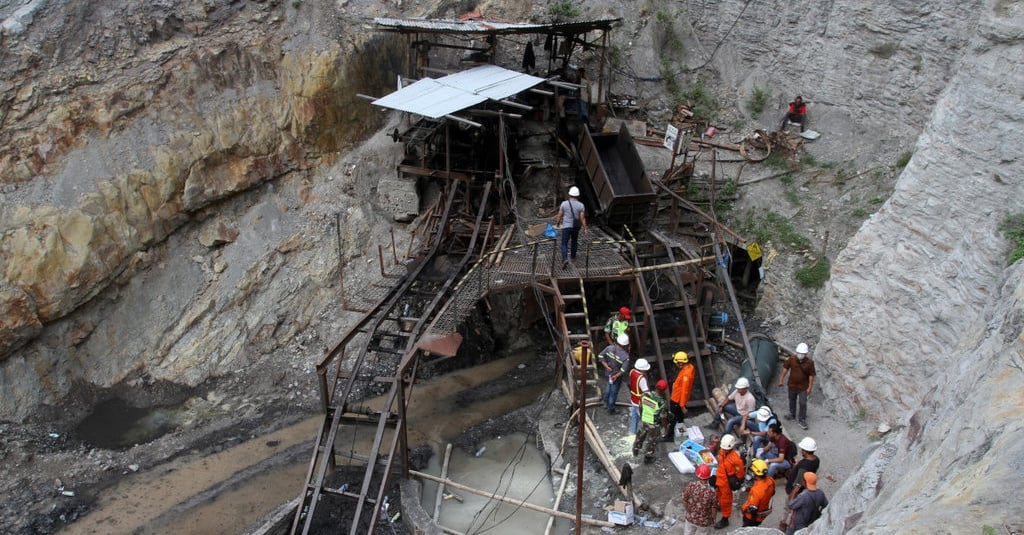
x=140, y=239
x=922, y=319
x=121, y=129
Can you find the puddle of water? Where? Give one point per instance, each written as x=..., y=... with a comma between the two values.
x=511, y=466
x=114, y=424
x=151, y=501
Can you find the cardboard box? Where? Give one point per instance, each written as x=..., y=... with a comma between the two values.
x=621, y=513
x=694, y=433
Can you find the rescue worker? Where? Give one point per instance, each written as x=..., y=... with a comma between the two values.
x=801, y=380
x=809, y=462
x=618, y=323
x=615, y=359
x=637, y=388
x=682, y=386
x=571, y=218
x=729, y=477
x=700, y=503
x=759, y=500
x=654, y=418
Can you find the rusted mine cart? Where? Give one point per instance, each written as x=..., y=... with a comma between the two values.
x=619, y=183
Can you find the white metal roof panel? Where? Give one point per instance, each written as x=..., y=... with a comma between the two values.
x=491, y=81
x=436, y=98
x=429, y=98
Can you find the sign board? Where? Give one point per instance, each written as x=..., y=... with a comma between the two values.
x=754, y=251
x=671, y=134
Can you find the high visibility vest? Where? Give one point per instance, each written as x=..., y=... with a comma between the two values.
x=650, y=406
x=635, y=393
x=619, y=327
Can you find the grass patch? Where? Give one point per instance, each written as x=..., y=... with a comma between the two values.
x=1013, y=227
x=701, y=101
x=776, y=161
x=771, y=226
x=876, y=200
x=904, y=159
x=814, y=275
x=564, y=9
x=861, y=213
x=757, y=101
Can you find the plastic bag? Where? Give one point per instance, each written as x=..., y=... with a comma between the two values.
x=550, y=231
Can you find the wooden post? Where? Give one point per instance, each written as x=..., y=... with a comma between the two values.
x=558, y=499
x=584, y=357
x=440, y=485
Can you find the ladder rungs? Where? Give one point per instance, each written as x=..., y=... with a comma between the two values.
x=575, y=314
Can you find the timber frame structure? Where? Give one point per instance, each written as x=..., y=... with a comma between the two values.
x=474, y=222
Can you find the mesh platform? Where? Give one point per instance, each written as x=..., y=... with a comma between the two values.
x=520, y=265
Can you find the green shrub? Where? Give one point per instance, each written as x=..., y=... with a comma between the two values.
x=771, y=226
x=876, y=200
x=814, y=275
x=701, y=101
x=1013, y=227
x=564, y=9
x=904, y=159
x=757, y=101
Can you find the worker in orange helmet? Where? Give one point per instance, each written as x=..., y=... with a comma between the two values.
x=682, y=386
x=728, y=477
x=759, y=501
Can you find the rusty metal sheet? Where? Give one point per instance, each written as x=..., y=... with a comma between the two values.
x=445, y=346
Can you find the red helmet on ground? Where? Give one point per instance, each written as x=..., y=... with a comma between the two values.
x=661, y=384
x=704, y=471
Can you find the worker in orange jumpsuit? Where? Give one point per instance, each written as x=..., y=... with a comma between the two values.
x=728, y=477
x=759, y=502
x=682, y=386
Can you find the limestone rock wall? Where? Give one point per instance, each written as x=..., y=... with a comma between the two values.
x=922, y=319
x=125, y=127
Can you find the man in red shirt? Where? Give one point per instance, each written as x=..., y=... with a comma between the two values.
x=797, y=113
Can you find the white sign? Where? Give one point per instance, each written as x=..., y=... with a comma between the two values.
x=671, y=133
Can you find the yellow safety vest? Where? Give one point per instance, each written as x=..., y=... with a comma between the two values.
x=650, y=405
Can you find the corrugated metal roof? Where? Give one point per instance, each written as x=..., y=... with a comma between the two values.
x=438, y=97
x=485, y=26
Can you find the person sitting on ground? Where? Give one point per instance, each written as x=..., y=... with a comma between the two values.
x=759, y=500
x=654, y=418
x=797, y=114
x=618, y=323
x=757, y=426
x=780, y=452
x=808, y=505
x=809, y=462
x=739, y=405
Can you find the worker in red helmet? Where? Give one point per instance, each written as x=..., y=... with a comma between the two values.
x=617, y=324
x=654, y=420
x=700, y=502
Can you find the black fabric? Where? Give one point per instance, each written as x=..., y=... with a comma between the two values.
x=735, y=483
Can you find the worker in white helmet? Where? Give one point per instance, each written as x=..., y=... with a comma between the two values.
x=571, y=219
x=738, y=405
x=800, y=369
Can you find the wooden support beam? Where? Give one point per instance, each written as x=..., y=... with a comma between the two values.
x=513, y=501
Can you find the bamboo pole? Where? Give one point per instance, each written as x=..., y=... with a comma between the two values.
x=513, y=501
x=440, y=486
x=558, y=499
x=680, y=263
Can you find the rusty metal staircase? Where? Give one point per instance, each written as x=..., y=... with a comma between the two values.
x=384, y=343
